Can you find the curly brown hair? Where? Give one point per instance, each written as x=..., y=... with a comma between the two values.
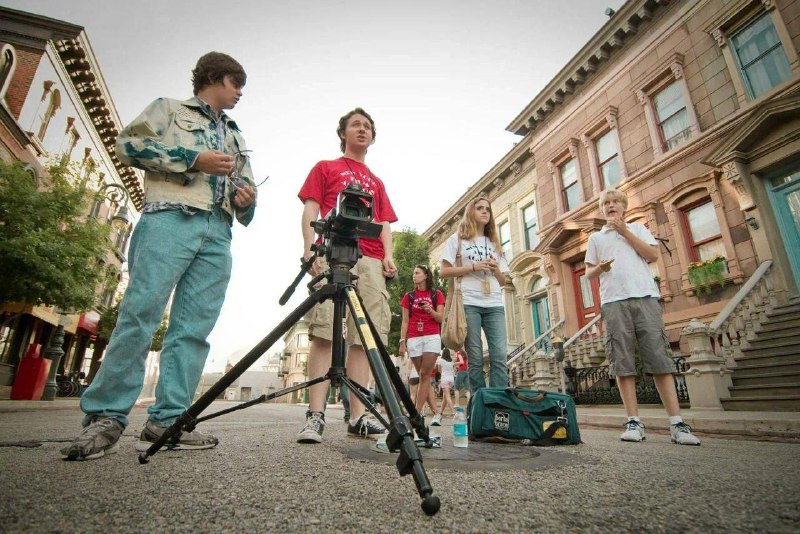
x=343, y=125
x=212, y=68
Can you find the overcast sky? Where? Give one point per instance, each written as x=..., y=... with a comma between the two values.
x=441, y=79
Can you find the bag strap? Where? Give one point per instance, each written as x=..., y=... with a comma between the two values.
x=525, y=398
x=459, y=263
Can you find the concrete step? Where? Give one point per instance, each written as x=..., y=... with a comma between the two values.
x=762, y=378
x=769, y=390
x=787, y=338
x=756, y=367
x=780, y=324
x=770, y=354
x=786, y=309
x=787, y=403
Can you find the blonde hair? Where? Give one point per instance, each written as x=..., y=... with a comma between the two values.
x=467, y=228
x=613, y=194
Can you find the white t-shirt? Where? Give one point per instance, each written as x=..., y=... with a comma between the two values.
x=475, y=250
x=446, y=368
x=630, y=276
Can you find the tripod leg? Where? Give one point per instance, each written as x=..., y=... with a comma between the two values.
x=400, y=435
x=188, y=419
x=417, y=421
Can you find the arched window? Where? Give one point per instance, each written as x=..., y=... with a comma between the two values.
x=8, y=63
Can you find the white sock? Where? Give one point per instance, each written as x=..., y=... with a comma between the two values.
x=354, y=421
x=634, y=418
x=675, y=419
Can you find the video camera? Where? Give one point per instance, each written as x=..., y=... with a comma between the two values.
x=349, y=221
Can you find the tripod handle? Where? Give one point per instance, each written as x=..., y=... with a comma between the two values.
x=305, y=265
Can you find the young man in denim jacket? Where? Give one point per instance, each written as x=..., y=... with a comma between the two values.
x=182, y=243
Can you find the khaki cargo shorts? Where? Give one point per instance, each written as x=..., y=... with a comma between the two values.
x=632, y=322
x=371, y=285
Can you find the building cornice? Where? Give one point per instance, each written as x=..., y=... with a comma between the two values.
x=499, y=176
x=603, y=47
x=20, y=28
x=86, y=77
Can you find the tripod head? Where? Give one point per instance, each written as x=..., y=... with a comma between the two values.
x=350, y=220
x=342, y=228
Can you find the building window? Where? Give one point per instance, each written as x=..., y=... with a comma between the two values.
x=671, y=119
x=569, y=185
x=529, y=220
x=504, y=229
x=607, y=159
x=8, y=64
x=674, y=126
x=302, y=341
x=760, y=56
x=704, y=236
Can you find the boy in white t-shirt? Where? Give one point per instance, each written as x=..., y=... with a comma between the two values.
x=618, y=254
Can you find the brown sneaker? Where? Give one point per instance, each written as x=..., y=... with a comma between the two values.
x=194, y=440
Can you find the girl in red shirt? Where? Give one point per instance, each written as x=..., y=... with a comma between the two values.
x=420, y=335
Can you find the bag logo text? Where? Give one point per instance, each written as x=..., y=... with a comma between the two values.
x=502, y=421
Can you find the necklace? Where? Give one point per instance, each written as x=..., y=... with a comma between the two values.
x=484, y=255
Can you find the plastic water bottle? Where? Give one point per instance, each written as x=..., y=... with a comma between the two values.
x=460, y=429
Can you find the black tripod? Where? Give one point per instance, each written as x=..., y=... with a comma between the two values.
x=342, y=254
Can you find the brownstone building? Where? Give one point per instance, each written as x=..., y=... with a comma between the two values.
x=55, y=105
x=692, y=108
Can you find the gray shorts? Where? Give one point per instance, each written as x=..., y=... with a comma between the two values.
x=632, y=322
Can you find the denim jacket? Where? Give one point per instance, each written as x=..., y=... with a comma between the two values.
x=165, y=141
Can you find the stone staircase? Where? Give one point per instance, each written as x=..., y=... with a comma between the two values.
x=767, y=376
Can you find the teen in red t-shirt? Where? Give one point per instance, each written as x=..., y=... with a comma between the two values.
x=420, y=334
x=319, y=194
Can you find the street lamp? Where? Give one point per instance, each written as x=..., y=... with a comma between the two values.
x=117, y=194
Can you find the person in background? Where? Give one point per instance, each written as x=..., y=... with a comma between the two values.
x=483, y=274
x=420, y=333
x=446, y=367
x=462, y=377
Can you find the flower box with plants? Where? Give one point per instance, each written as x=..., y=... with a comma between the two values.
x=705, y=274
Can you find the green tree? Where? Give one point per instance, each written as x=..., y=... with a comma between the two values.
x=50, y=250
x=410, y=249
x=108, y=320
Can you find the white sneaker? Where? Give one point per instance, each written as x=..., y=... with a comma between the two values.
x=437, y=420
x=682, y=434
x=634, y=431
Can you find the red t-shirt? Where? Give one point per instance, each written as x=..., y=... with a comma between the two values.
x=417, y=315
x=327, y=179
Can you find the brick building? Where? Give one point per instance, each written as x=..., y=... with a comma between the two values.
x=55, y=105
x=693, y=109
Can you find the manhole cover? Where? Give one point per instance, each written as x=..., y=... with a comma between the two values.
x=477, y=457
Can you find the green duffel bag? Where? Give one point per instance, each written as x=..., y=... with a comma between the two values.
x=525, y=416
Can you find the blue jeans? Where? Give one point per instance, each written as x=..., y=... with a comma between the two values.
x=169, y=250
x=493, y=322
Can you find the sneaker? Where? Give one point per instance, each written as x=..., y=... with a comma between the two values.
x=312, y=432
x=189, y=441
x=437, y=420
x=364, y=427
x=634, y=431
x=682, y=434
x=101, y=437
